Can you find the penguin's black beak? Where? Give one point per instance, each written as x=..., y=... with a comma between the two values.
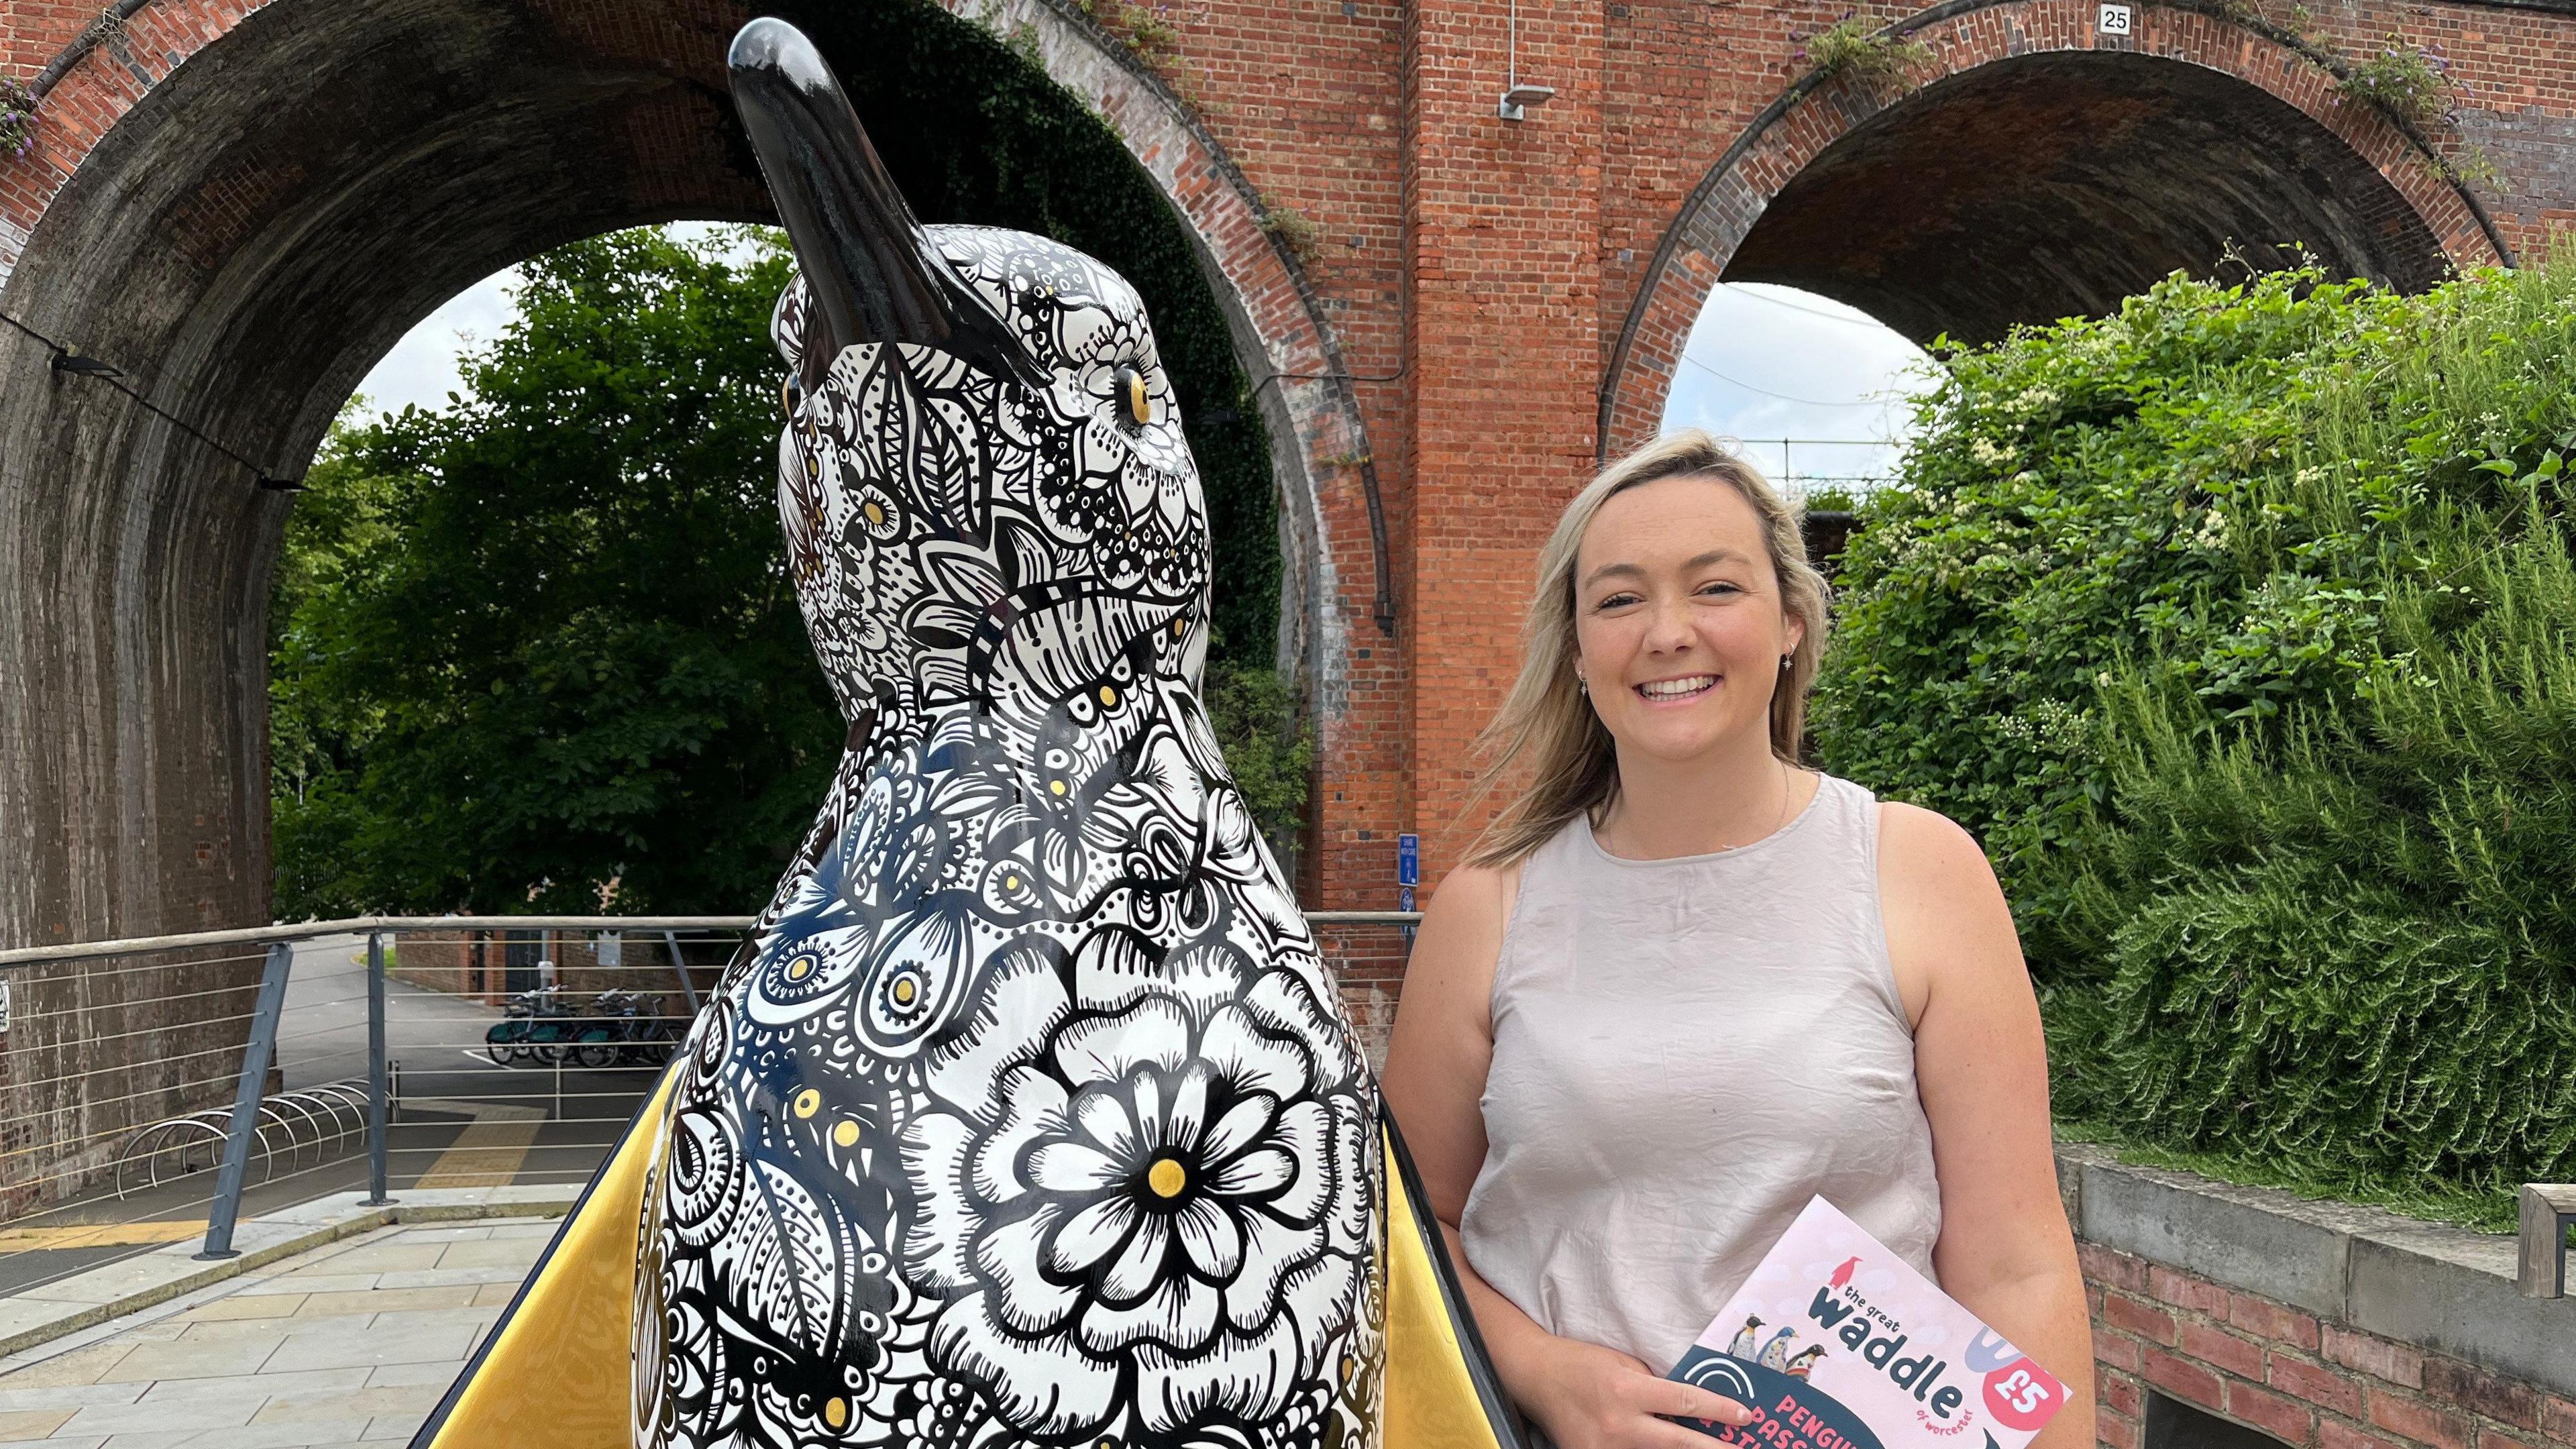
x=872, y=272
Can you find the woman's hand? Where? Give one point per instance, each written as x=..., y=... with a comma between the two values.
x=1589, y=1397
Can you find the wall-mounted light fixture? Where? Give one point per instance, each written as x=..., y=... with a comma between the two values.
x=1517, y=98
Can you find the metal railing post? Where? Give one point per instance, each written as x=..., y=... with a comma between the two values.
x=254, y=1081
x=2547, y=1210
x=377, y=1085
x=680, y=964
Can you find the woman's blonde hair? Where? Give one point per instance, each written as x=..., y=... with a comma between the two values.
x=1548, y=727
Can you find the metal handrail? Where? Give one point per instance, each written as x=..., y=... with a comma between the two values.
x=254, y=1113
x=368, y=925
x=400, y=925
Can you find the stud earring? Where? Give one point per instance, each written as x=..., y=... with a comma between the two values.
x=1784, y=663
x=1583, y=686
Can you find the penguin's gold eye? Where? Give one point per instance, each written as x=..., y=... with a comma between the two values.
x=1131, y=394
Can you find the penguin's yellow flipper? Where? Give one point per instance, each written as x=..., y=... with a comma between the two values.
x=1440, y=1391
x=554, y=1374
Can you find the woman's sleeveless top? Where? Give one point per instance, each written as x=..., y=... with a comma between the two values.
x=1685, y=1052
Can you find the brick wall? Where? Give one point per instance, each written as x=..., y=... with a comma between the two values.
x=2310, y=1383
x=1444, y=346
x=1367, y=961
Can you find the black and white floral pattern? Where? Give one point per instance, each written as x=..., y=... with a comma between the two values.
x=1032, y=1119
x=1143, y=1197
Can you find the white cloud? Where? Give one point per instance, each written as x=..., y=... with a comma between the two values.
x=421, y=370
x=1766, y=363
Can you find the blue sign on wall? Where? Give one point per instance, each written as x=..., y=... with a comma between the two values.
x=1408, y=859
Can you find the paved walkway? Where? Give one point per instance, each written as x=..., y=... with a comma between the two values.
x=350, y=1343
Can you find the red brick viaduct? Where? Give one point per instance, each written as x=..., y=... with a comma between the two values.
x=242, y=205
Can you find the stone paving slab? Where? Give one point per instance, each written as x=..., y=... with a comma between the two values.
x=322, y=1349
x=49, y=1311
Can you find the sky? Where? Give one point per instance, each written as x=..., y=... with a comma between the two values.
x=422, y=369
x=1763, y=364
x=1770, y=365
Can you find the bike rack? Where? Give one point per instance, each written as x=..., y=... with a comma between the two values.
x=290, y=1122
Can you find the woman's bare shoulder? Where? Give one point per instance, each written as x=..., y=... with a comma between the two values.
x=1948, y=926
x=1478, y=891
x=1917, y=843
x=1461, y=937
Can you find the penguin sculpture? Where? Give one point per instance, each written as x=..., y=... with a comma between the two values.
x=1742, y=1347
x=1775, y=1354
x=1805, y=1362
x=1030, y=1117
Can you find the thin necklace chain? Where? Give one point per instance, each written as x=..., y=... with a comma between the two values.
x=1782, y=819
x=1779, y=820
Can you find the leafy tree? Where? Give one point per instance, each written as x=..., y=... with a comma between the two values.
x=541, y=641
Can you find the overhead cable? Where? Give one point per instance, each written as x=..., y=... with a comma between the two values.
x=98, y=370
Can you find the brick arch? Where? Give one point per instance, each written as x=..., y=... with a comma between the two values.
x=1831, y=159
x=243, y=205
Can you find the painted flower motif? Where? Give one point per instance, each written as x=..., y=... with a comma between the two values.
x=874, y=512
x=1156, y=1181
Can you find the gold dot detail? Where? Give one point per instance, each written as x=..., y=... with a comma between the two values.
x=1056, y=785
x=1010, y=882
x=836, y=1412
x=800, y=968
x=807, y=1102
x=904, y=991
x=1108, y=696
x=1139, y=406
x=1167, y=1178
x=845, y=1133
x=875, y=513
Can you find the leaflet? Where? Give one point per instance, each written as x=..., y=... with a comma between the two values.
x=1836, y=1343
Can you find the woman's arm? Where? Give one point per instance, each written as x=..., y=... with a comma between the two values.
x=1585, y=1396
x=1982, y=1068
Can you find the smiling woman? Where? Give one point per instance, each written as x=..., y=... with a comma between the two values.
x=1684, y=986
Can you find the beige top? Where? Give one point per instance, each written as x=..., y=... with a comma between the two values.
x=1686, y=1051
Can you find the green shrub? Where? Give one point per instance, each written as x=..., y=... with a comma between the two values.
x=2410, y=83
x=1856, y=47
x=2241, y=627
